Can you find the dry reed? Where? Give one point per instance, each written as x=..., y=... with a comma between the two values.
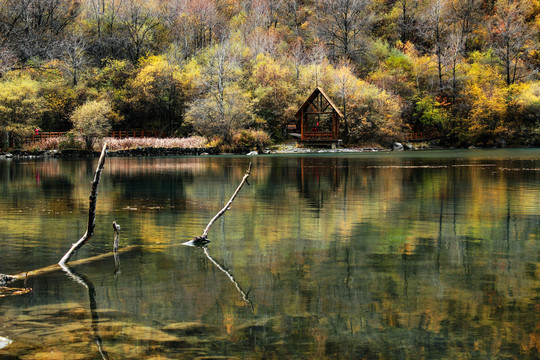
x=127, y=143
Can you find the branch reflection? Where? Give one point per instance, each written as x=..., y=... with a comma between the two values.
x=83, y=280
x=204, y=247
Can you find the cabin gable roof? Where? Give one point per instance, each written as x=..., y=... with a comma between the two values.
x=312, y=97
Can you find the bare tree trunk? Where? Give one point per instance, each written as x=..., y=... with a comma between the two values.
x=91, y=212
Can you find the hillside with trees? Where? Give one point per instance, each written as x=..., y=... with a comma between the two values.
x=239, y=69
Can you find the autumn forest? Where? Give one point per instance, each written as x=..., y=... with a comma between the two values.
x=230, y=70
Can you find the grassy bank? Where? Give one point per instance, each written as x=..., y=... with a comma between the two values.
x=67, y=142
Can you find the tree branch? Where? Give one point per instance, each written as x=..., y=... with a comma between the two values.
x=204, y=236
x=91, y=212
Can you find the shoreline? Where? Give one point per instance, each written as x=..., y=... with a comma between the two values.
x=157, y=152
x=81, y=154
x=177, y=151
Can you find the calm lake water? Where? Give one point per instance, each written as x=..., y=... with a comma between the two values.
x=379, y=255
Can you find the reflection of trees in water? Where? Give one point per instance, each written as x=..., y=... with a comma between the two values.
x=318, y=178
x=48, y=181
x=418, y=262
x=424, y=281
x=151, y=190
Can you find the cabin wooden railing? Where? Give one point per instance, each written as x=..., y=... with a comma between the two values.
x=318, y=136
x=38, y=136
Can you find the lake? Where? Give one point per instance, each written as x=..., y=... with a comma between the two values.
x=407, y=255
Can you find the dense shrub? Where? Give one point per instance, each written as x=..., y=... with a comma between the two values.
x=92, y=121
x=68, y=141
x=249, y=140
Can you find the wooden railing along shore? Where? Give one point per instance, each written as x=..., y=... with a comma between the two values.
x=419, y=136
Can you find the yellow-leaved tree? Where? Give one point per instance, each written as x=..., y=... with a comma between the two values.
x=158, y=94
x=20, y=109
x=92, y=121
x=485, y=100
x=223, y=107
x=370, y=114
x=273, y=93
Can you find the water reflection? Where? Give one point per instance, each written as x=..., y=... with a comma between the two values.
x=84, y=281
x=350, y=256
x=204, y=248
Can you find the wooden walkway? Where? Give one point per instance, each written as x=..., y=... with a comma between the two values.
x=421, y=136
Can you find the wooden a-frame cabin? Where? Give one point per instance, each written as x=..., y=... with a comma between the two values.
x=319, y=120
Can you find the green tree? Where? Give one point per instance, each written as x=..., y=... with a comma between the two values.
x=221, y=115
x=59, y=102
x=157, y=95
x=223, y=107
x=430, y=112
x=523, y=120
x=273, y=93
x=20, y=108
x=371, y=114
x=92, y=121
x=374, y=115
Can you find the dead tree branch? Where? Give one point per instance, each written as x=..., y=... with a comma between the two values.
x=203, y=237
x=91, y=212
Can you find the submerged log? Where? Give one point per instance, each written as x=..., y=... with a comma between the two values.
x=10, y=291
x=56, y=267
x=91, y=211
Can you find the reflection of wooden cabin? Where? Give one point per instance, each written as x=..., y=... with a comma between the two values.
x=319, y=120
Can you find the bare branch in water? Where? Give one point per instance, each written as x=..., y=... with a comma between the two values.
x=91, y=211
x=203, y=237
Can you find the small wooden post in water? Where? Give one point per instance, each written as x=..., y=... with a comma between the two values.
x=91, y=212
x=116, y=228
